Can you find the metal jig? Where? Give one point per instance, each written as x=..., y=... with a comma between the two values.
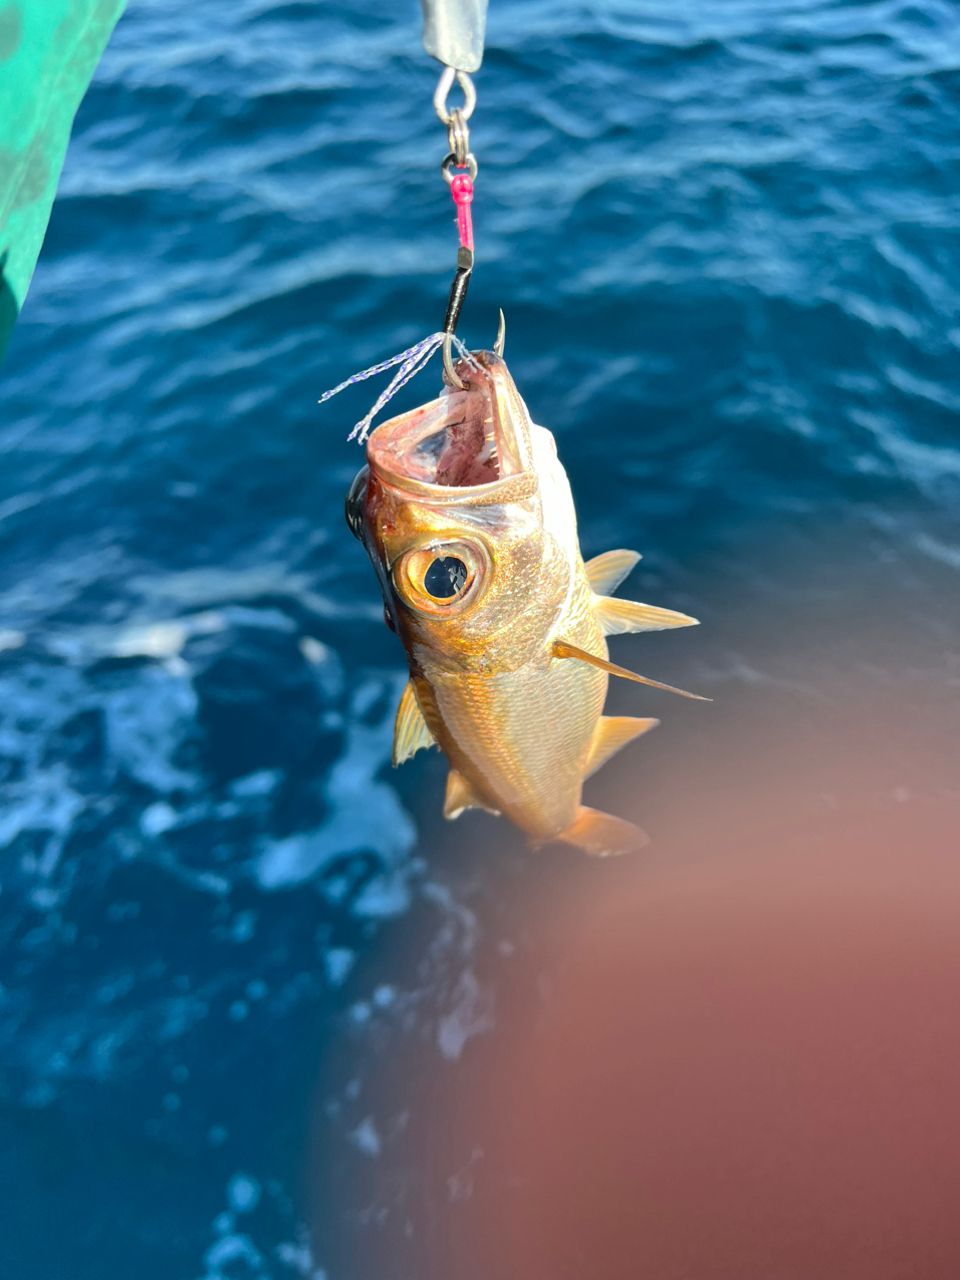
x=453, y=31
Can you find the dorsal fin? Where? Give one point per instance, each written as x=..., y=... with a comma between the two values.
x=602, y=834
x=461, y=795
x=410, y=731
x=561, y=649
x=612, y=733
x=607, y=571
x=616, y=617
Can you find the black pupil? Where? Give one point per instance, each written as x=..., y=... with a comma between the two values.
x=445, y=578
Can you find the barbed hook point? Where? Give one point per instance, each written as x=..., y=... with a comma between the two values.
x=501, y=335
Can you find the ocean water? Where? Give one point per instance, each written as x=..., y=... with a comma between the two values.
x=245, y=968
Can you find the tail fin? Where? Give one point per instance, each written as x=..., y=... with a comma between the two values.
x=602, y=834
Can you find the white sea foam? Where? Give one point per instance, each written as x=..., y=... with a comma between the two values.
x=471, y=1015
x=365, y=814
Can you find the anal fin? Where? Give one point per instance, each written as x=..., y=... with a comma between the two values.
x=461, y=795
x=612, y=733
x=601, y=834
x=410, y=731
x=617, y=617
x=607, y=571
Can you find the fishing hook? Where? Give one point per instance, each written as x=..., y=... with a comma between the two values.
x=461, y=159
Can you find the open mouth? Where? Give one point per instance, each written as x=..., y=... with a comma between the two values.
x=460, y=440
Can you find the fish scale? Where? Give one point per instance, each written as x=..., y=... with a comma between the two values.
x=522, y=738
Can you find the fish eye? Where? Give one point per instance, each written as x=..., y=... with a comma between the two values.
x=442, y=577
x=355, y=500
x=445, y=577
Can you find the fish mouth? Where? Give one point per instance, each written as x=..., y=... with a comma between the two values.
x=466, y=439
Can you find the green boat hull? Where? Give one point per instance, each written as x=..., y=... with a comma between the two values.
x=49, y=50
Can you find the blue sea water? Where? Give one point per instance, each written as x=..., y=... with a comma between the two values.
x=233, y=944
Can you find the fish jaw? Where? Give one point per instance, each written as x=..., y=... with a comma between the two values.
x=468, y=446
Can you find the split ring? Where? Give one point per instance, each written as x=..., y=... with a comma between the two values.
x=449, y=163
x=458, y=137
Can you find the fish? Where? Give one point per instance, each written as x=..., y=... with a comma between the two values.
x=468, y=518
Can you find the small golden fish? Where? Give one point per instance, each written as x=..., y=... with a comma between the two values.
x=468, y=518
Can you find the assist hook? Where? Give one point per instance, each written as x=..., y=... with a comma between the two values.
x=459, y=169
x=461, y=159
x=461, y=188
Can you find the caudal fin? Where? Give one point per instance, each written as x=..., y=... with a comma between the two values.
x=601, y=834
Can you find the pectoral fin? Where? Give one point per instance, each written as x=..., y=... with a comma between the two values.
x=602, y=834
x=619, y=616
x=606, y=572
x=612, y=733
x=561, y=649
x=410, y=731
x=461, y=795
